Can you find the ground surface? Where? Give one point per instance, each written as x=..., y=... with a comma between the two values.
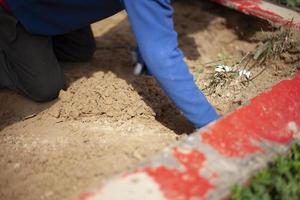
x=109, y=120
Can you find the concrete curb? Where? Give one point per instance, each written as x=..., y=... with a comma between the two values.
x=273, y=13
x=208, y=163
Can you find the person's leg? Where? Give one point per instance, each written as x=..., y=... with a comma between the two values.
x=75, y=46
x=27, y=62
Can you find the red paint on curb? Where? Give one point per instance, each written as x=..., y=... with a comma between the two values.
x=253, y=7
x=182, y=185
x=241, y=4
x=266, y=118
x=86, y=196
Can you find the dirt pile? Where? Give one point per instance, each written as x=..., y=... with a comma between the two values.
x=103, y=95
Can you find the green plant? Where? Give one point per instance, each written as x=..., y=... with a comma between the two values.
x=280, y=181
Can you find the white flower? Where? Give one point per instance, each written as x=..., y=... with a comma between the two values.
x=227, y=68
x=241, y=72
x=244, y=72
x=219, y=70
x=223, y=68
x=248, y=74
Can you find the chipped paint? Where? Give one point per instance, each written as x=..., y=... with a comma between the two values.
x=182, y=185
x=266, y=118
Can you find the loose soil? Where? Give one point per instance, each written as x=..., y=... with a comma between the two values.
x=108, y=120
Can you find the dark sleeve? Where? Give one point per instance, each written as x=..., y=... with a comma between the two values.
x=152, y=23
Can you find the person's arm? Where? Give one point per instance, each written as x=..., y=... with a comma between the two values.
x=152, y=23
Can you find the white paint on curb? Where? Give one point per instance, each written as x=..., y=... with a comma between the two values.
x=284, y=12
x=137, y=186
x=292, y=126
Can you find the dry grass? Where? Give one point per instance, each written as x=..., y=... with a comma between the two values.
x=270, y=49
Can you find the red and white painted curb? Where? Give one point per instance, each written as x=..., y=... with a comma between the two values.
x=208, y=163
x=277, y=15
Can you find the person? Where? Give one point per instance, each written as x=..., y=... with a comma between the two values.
x=36, y=34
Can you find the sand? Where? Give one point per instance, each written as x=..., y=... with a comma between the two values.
x=109, y=120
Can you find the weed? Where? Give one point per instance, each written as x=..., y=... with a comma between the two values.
x=280, y=181
x=240, y=72
x=273, y=47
